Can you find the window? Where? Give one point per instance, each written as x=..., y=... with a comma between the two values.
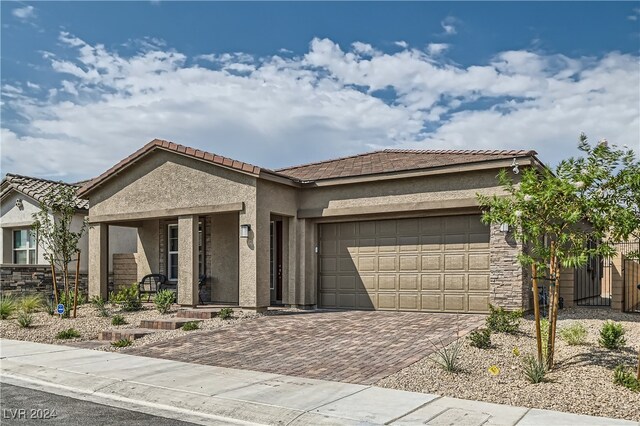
x=172, y=252
x=24, y=247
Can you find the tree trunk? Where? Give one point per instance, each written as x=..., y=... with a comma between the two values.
x=536, y=309
x=554, y=321
x=75, y=292
x=66, y=289
x=55, y=284
x=552, y=306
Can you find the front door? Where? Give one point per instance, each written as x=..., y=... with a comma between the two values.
x=276, y=262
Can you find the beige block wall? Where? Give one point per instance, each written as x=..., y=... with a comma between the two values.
x=125, y=270
x=567, y=286
x=224, y=269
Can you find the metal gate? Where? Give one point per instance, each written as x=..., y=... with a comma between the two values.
x=631, y=286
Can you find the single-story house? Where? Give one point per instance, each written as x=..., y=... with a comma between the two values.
x=21, y=257
x=386, y=230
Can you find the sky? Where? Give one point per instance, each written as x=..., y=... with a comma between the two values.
x=85, y=84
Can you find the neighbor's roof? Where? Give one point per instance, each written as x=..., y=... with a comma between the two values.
x=35, y=188
x=393, y=160
x=169, y=146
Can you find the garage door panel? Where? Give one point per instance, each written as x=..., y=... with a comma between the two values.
x=429, y=264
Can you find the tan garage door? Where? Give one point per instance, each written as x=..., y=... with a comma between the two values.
x=437, y=264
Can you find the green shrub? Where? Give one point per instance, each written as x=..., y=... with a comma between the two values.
x=25, y=319
x=544, y=334
x=448, y=357
x=225, y=313
x=480, y=338
x=191, y=325
x=612, y=335
x=502, y=321
x=163, y=300
x=574, y=334
x=51, y=308
x=101, y=305
x=7, y=306
x=68, y=334
x=118, y=320
x=122, y=343
x=623, y=377
x=128, y=298
x=30, y=303
x=533, y=370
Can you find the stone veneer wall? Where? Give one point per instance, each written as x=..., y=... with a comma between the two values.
x=510, y=283
x=21, y=279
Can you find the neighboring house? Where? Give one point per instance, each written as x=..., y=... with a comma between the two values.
x=388, y=230
x=21, y=256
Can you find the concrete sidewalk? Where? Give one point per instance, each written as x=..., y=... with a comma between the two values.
x=214, y=395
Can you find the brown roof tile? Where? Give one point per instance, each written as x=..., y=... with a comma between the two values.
x=36, y=188
x=394, y=160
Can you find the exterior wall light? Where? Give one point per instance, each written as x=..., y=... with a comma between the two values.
x=514, y=167
x=244, y=231
x=504, y=228
x=19, y=204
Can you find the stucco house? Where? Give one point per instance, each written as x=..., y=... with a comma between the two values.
x=387, y=230
x=23, y=262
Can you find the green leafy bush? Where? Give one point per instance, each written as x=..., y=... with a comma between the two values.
x=544, y=334
x=30, y=303
x=533, y=370
x=25, y=319
x=612, y=335
x=480, y=338
x=623, y=377
x=448, y=357
x=190, y=326
x=502, y=321
x=225, y=313
x=574, y=334
x=101, y=305
x=68, y=334
x=163, y=300
x=122, y=343
x=7, y=306
x=128, y=298
x=118, y=320
x=68, y=302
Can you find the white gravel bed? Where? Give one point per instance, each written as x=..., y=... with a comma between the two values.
x=582, y=381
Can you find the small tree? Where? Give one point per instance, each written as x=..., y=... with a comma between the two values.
x=557, y=221
x=53, y=228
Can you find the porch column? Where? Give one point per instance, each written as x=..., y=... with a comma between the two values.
x=98, y=259
x=188, y=260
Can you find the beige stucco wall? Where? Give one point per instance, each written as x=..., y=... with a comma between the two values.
x=224, y=270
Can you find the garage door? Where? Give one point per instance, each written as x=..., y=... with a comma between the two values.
x=435, y=264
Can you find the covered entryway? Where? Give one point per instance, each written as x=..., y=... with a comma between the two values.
x=432, y=264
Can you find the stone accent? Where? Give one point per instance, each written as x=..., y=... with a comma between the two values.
x=510, y=284
x=20, y=279
x=124, y=333
x=125, y=270
x=198, y=313
x=166, y=324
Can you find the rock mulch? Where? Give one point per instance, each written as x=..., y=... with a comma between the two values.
x=582, y=381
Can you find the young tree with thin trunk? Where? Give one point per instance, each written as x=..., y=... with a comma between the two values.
x=53, y=227
x=558, y=223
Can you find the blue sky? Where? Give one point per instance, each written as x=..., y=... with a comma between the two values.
x=87, y=83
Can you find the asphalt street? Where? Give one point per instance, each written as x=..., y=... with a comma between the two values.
x=20, y=406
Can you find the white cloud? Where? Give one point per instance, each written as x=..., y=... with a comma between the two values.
x=634, y=14
x=402, y=44
x=449, y=25
x=276, y=111
x=24, y=13
x=435, y=49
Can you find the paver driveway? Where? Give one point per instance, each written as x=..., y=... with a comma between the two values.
x=350, y=346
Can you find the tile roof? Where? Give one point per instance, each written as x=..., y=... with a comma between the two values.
x=394, y=160
x=35, y=188
x=170, y=146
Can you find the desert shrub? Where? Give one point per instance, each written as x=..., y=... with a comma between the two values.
x=574, y=334
x=623, y=377
x=190, y=326
x=7, y=306
x=480, y=338
x=101, y=305
x=502, y=321
x=30, y=303
x=51, y=308
x=612, y=335
x=225, y=313
x=68, y=334
x=163, y=300
x=534, y=370
x=448, y=357
x=122, y=343
x=128, y=298
x=118, y=320
x=25, y=319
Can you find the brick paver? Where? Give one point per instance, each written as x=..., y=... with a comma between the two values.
x=350, y=346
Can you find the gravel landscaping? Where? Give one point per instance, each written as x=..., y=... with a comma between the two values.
x=582, y=381
x=89, y=324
